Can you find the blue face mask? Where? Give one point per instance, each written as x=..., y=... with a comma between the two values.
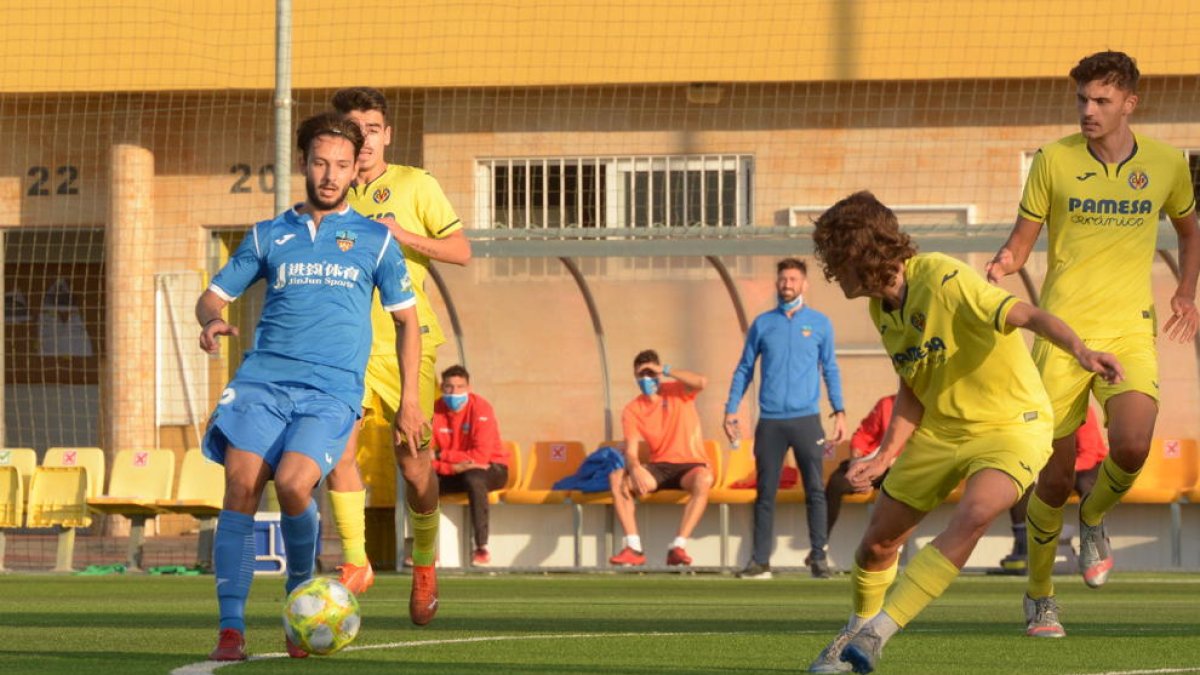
x=454, y=402
x=648, y=385
x=794, y=304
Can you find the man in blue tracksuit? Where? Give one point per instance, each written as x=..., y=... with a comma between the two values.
x=796, y=345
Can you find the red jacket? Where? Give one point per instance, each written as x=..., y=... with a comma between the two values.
x=469, y=435
x=1089, y=443
x=869, y=433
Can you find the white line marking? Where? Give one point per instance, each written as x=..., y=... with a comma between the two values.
x=1193, y=669
x=207, y=667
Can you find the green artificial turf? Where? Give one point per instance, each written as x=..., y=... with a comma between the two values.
x=620, y=623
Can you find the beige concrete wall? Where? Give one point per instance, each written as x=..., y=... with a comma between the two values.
x=529, y=341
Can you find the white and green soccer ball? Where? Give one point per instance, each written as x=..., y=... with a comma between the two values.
x=321, y=616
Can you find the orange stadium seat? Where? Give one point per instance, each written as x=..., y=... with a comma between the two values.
x=548, y=463
x=1167, y=476
x=494, y=496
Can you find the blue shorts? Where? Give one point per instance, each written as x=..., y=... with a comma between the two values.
x=271, y=419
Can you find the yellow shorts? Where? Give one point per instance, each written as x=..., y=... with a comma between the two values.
x=934, y=462
x=381, y=398
x=1068, y=383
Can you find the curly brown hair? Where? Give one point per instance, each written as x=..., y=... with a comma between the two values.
x=861, y=232
x=327, y=124
x=1116, y=68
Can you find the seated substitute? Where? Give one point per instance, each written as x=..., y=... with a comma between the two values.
x=470, y=456
x=664, y=415
x=971, y=405
x=863, y=444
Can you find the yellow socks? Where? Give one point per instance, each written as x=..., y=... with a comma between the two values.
x=1111, y=484
x=924, y=579
x=425, y=530
x=349, y=517
x=1045, y=526
x=870, y=589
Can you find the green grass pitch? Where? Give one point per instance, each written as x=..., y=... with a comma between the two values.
x=613, y=624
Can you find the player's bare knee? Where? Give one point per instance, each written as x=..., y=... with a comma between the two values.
x=415, y=470
x=872, y=553
x=240, y=495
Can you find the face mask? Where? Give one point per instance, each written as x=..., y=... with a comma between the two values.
x=794, y=304
x=648, y=385
x=454, y=402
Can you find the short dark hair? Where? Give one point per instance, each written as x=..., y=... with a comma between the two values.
x=327, y=124
x=860, y=231
x=792, y=264
x=1116, y=68
x=361, y=99
x=456, y=371
x=645, y=356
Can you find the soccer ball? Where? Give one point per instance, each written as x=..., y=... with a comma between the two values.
x=321, y=616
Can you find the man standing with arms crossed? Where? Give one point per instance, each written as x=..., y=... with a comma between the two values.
x=295, y=398
x=796, y=343
x=412, y=205
x=1100, y=193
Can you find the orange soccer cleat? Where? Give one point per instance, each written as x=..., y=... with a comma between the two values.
x=423, y=601
x=231, y=646
x=357, y=579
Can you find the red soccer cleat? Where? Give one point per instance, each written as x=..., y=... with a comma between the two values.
x=294, y=650
x=357, y=579
x=423, y=601
x=678, y=556
x=628, y=558
x=481, y=558
x=231, y=646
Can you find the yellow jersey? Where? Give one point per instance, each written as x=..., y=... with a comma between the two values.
x=949, y=342
x=415, y=200
x=1103, y=227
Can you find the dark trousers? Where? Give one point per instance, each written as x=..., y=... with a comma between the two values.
x=838, y=487
x=772, y=438
x=476, y=483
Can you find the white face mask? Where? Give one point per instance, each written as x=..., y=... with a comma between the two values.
x=794, y=304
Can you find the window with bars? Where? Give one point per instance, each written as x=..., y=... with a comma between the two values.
x=647, y=191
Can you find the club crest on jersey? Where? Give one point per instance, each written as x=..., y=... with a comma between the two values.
x=381, y=195
x=918, y=321
x=1138, y=180
x=806, y=331
x=345, y=239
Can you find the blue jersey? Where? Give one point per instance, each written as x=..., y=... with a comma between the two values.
x=315, y=328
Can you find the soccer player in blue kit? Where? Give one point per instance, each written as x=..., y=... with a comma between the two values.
x=296, y=397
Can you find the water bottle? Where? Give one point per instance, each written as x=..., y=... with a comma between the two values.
x=737, y=436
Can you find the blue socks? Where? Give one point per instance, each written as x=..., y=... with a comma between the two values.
x=233, y=564
x=300, y=545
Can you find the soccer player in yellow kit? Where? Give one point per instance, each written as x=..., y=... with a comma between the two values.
x=1100, y=193
x=411, y=203
x=970, y=405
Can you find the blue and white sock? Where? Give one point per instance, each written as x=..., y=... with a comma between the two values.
x=233, y=564
x=300, y=545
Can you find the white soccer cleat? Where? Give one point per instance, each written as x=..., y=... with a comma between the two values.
x=1041, y=618
x=830, y=658
x=1095, y=554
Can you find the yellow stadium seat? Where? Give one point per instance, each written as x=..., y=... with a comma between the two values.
x=139, y=479
x=12, y=504
x=24, y=460
x=460, y=498
x=91, y=459
x=201, y=490
x=548, y=463
x=58, y=498
x=200, y=494
x=12, y=499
